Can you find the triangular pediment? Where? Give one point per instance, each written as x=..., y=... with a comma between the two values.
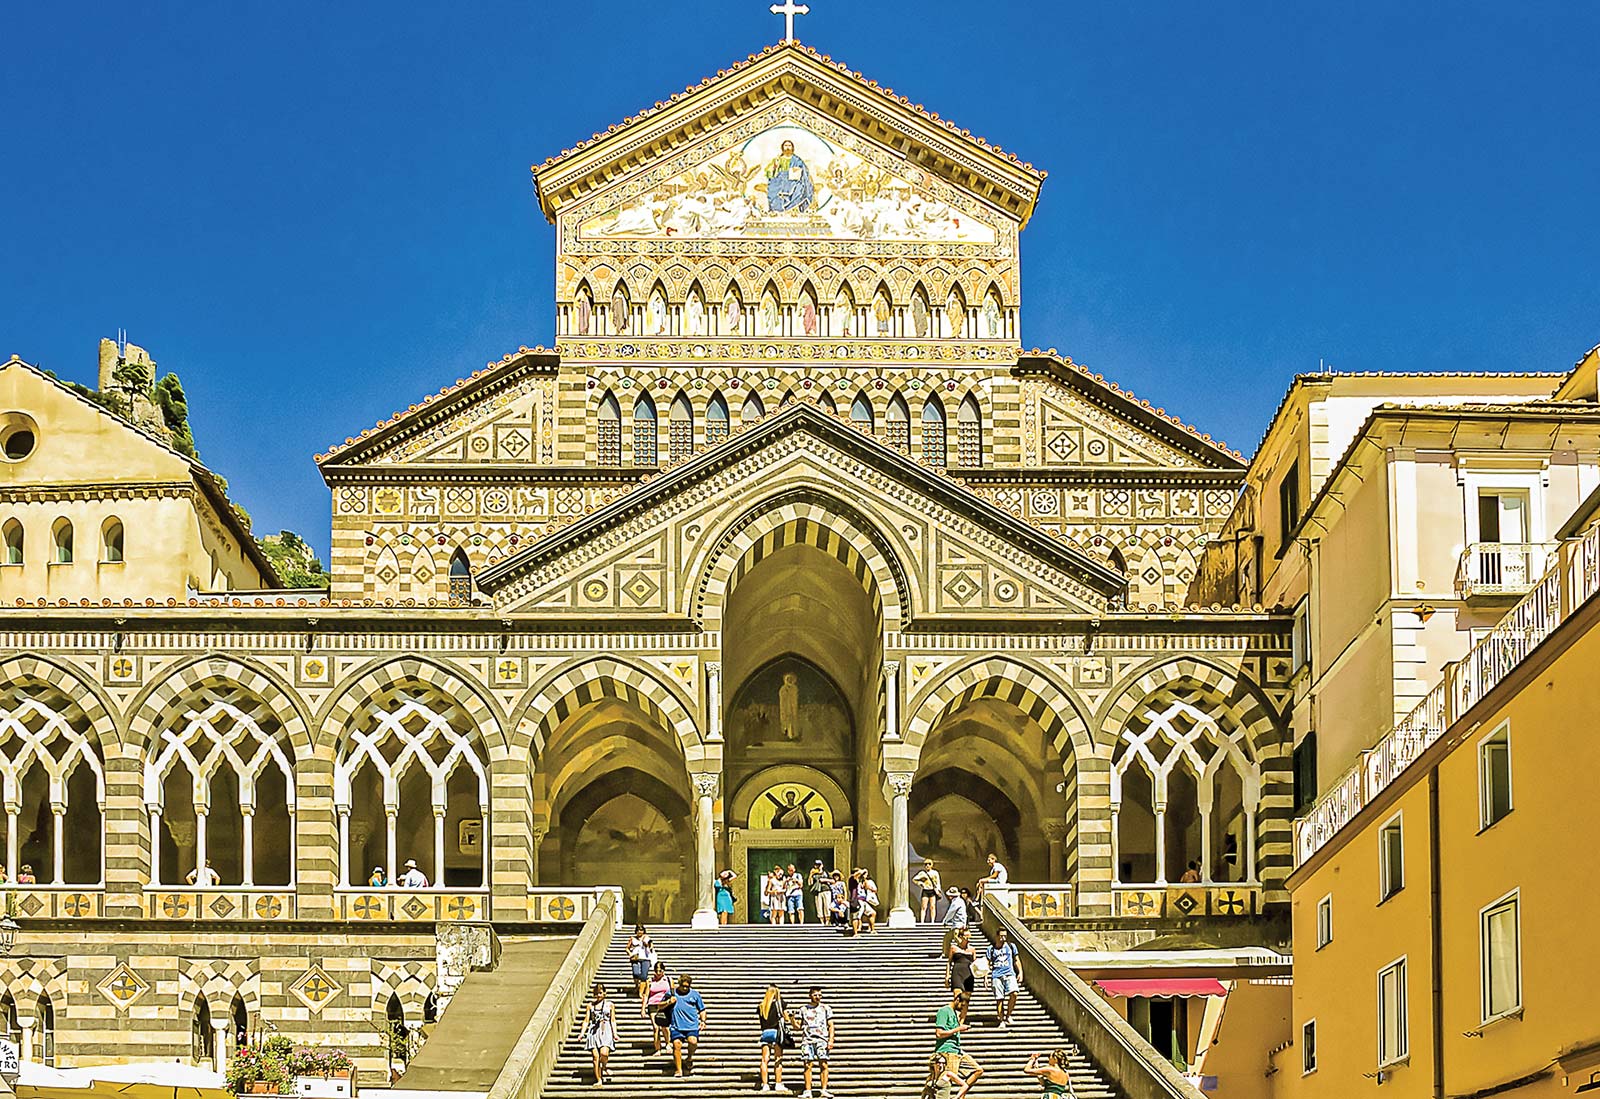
x=647, y=551
x=501, y=415
x=929, y=152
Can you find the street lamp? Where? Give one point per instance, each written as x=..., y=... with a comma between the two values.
x=8, y=934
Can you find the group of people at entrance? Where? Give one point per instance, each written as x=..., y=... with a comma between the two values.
x=835, y=899
x=678, y=1016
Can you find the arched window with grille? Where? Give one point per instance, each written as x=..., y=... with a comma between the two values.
x=933, y=453
x=897, y=425
x=644, y=432
x=716, y=420
x=219, y=788
x=52, y=782
x=460, y=577
x=608, y=432
x=411, y=784
x=111, y=540
x=61, y=541
x=861, y=411
x=969, y=433
x=680, y=429
x=13, y=542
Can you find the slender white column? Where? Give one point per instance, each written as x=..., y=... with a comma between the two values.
x=1161, y=844
x=705, y=855
x=891, y=692
x=11, y=844
x=155, y=846
x=1116, y=843
x=484, y=821
x=389, y=846
x=59, y=814
x=247, y=828
x=900, y=914
x=713, y=700
x=438, y=844
x=219, y=1044
x=25, y=1023
x=1205, y=845
x=199, y=842
x=1250, y=846
x=344, y=847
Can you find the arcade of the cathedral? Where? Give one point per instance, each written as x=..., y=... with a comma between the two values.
x=787, y=550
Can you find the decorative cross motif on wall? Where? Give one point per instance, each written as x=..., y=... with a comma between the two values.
x=789, y=9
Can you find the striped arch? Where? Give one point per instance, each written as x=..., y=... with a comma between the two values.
x=1008, y=680
x=564, y=692
x=411, y=671
x=410, y=982
x=802, y=517
x=207, y=676
x=1243, y=704
x=219, y=981
x=88, y=702
x=26, y=980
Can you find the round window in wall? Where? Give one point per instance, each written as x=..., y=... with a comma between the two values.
x=18, y=436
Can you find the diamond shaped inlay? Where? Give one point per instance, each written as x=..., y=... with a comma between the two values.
x=122, y=986
x=315, y=988
x=31, y=905
x=415, y=908
x=640, y=587
x=1185, y=903
x=961, y=587
x=222, y=907
x=1062, y=445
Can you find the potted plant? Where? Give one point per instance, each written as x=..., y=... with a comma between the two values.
x=339, y=1063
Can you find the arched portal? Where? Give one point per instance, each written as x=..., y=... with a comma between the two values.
x=802, y=666
x=613, y=785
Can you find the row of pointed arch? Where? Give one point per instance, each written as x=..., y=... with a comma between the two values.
x=880, y=314
x=928, y=437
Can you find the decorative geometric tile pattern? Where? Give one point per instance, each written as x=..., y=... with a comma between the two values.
x=122, y=986
x=1186, y=902
x=315, y=988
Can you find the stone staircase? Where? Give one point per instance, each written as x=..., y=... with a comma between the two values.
x=475, y=1035
x=884, y=990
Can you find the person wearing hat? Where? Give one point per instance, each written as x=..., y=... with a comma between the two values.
x=820, y=883
x=413, y=878
x=25, y=875
x=955, y=918
x=379, y=878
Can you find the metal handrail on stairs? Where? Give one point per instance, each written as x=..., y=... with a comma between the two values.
x=533, y=1058
x=1120, y=1053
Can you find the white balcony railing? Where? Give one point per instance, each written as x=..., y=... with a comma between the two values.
x=1572, y=579
x=1502, y=568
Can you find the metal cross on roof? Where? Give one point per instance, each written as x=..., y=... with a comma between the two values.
x=789, y=9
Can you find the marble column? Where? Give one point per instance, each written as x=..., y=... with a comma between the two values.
x=1055, y=831
x=705, y=852
x=538, y=833
x=891, y=694
x=219, y=1044
x=713, y=700
x=900, y=914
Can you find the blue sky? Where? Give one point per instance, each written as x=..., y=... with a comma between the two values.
x=317, y=213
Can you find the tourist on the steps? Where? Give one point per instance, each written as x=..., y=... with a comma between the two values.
x=960, y=976
x=413, y=878
x=1005, y=975
x=794, y=895
x=927, y=880
x=777, y=905
x=816, y=1041
x=852, y=894
x=600, y=1033
x=949, y=1024
x=955, y=918
x=770, y=1015
x=838, y=901
x=641, y=957
x=869, y=903
x=940, y=1083
x=724, y=892
x=657, y=994
x=820, y=882
x=1052, y=1074
x=688, y=1018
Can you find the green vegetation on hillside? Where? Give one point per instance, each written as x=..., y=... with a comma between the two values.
x=295, y=562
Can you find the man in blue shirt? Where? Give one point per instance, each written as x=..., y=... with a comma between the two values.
x=686, y=1015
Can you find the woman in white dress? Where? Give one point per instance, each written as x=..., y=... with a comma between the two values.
x=600, y=1033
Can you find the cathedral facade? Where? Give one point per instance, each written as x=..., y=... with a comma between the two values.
x=786, y=550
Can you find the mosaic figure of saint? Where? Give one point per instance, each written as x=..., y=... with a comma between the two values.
x=956, y=313
x=991, y=317
x=769, y=315
x=808, y=315
x=881, y=313
x=731, y=314
x=788, y=182
x=658, y=314
x=790, y=812
x=789, y=706
x=585, y=312
x=843, y=315
x=919, y=316
x=619, y=311
x=694, y=312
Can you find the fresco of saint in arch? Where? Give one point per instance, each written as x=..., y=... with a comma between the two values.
x=788, y=182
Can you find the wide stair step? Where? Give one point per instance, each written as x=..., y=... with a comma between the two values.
x=884, y=990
